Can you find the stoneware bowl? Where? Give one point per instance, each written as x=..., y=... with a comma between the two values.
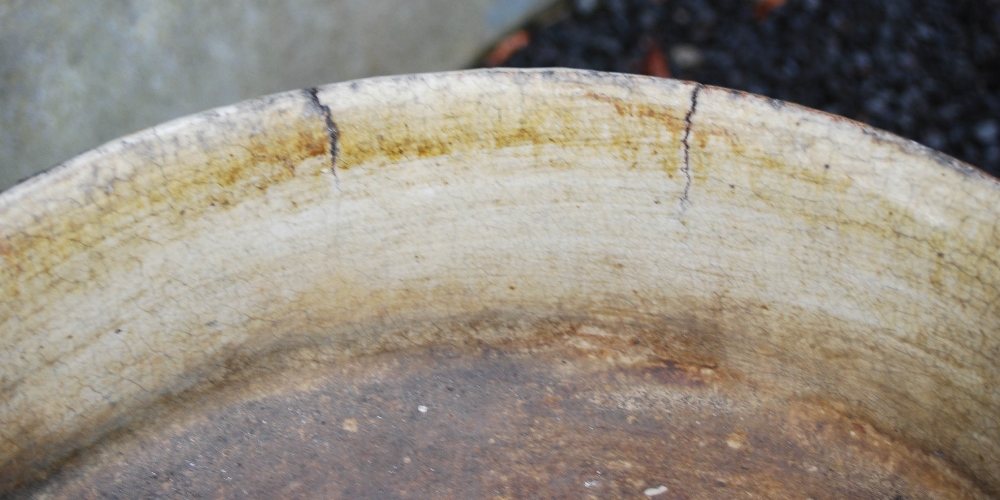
x=502, y=284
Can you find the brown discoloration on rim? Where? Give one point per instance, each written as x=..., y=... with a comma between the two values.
x=227, y=160
x=529, y=120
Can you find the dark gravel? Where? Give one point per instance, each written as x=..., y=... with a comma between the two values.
x=928, y=70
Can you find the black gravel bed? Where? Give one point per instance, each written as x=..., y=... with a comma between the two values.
x=928, y=70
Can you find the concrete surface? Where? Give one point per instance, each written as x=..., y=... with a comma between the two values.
x=74, y=75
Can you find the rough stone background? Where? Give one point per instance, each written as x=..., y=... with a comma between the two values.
x=928, y=70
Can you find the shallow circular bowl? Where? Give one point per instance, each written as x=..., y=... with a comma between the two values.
x=503, y=283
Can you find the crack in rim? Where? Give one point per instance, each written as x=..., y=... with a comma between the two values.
x=332, y=132
x=686, y=196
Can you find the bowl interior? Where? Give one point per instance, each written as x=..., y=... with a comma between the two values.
x=813, y=292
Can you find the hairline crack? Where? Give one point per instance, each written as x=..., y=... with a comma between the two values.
x=332, y=132
x=685, y=197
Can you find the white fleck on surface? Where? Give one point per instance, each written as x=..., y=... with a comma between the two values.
x=590, y=484
x=652, y=492
x=422, y=409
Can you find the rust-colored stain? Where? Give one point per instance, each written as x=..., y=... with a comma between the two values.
x=231, y=169
x=536, y=123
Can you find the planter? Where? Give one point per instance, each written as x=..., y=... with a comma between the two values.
x=503, y=283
